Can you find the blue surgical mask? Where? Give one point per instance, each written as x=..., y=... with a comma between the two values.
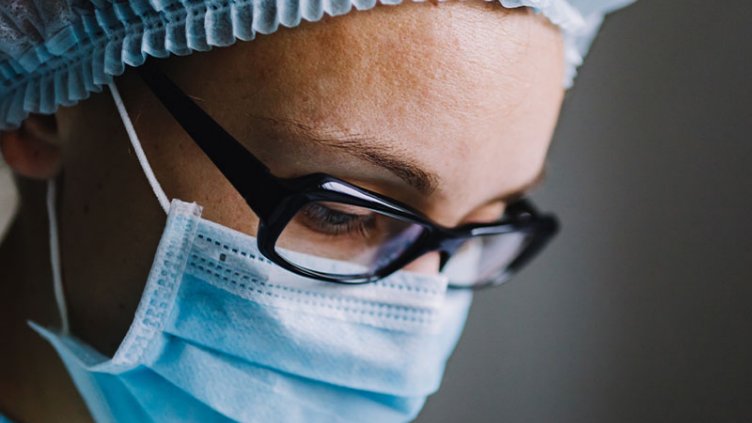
x=223, y=334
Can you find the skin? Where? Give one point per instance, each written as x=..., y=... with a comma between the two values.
x=469, y=92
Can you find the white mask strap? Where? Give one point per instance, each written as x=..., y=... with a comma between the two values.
x=158, y=191
x=57, y=278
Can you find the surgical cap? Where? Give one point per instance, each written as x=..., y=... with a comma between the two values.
x=57, y=52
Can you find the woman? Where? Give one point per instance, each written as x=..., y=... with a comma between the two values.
x=358, y=177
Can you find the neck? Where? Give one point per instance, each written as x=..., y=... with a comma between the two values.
x=34, y=385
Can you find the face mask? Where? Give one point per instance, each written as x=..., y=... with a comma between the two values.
x=222, y=334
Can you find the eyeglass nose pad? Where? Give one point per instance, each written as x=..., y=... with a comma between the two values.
x=443, y=259
x=447, y=250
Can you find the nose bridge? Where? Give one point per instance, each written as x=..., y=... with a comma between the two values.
x=436, y=254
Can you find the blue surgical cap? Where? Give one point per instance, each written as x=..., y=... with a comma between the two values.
x=57, y=52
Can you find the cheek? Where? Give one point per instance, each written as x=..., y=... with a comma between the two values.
x=186, y=173
x=180, y=166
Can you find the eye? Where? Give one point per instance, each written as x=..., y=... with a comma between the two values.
x=337, y=219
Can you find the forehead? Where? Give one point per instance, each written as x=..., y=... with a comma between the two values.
x=470, y=90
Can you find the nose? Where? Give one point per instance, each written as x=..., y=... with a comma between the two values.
x=433, y=262
x=429, y=263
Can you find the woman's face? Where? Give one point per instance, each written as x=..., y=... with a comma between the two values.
x=449, y=108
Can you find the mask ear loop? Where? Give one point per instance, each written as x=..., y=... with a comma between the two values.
x=136, y=143
x=52, y=215
x=57, y=278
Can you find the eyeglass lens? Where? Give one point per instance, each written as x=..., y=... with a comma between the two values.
x=366, y=239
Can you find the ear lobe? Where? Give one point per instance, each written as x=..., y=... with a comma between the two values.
x=33, y=150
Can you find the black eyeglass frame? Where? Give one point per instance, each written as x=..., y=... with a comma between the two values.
x=277, y=200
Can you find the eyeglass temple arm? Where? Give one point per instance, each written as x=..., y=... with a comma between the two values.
x=250, y=177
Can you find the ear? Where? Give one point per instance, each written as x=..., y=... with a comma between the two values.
x=33, y=150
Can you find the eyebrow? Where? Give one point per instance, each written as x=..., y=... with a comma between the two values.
x=367, y=148
x=375, y=151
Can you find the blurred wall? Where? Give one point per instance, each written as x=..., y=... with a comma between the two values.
x=642, y=310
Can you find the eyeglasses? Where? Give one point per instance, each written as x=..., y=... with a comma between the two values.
x=327, y=217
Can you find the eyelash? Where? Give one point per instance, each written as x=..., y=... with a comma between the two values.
x=330, y=222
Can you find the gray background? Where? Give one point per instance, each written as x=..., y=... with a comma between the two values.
x=641, y=311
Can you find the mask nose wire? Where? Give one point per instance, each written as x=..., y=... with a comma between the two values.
x=136, y=143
